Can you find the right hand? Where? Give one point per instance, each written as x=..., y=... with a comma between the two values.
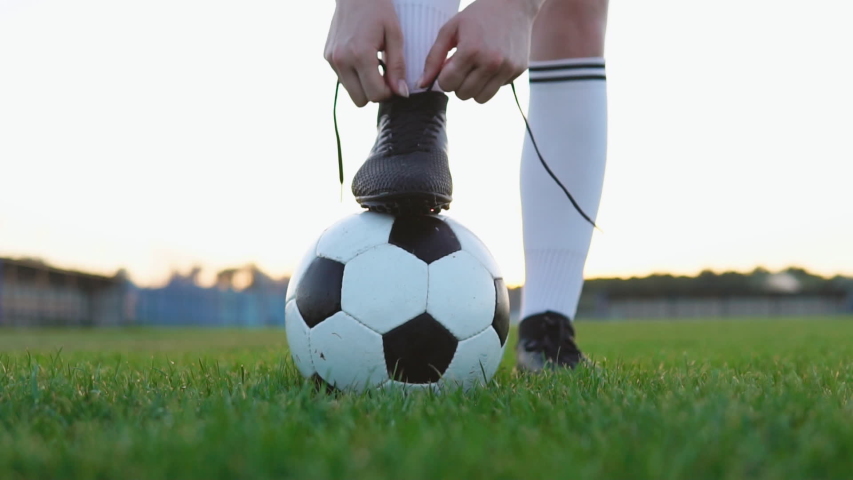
x=360, y=30
x=492, y=41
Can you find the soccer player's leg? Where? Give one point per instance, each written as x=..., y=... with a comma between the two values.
x=568, y=117
x=407, y=171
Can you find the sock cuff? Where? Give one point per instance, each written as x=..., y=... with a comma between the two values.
x=567, y=70
x=446, y=7
x=421, y=21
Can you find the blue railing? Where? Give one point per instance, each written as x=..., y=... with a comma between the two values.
x=189, y=305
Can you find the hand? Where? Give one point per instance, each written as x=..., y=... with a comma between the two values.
x=360, y=30
x=492, y=40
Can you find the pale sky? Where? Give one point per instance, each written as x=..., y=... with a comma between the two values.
x=160, y=134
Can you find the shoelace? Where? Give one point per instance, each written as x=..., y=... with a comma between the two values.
x=420, y=129
x=526, y=124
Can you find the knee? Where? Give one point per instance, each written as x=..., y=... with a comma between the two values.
x=576, y=12
x=570, y=28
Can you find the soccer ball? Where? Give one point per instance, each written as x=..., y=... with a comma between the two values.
x=413, y=302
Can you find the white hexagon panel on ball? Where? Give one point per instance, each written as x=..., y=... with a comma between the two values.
x=384, y=287
x=353, y=235
x=473, y=245
x=297, y=339
x=346, y=354
x=461, y=294
x=475, y=362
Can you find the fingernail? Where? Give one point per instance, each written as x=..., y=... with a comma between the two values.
x=420, y=82
x=404, y=89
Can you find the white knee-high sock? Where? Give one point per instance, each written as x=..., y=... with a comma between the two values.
x=421, y=20
x=568, y=117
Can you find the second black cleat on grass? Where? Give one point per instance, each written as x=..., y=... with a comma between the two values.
x=547, y=340
x=407, y=172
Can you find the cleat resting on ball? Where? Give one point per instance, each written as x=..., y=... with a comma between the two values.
x=407, y=171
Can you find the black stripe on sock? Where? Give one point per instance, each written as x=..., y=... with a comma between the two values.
x=568, y=79
x=578, y=66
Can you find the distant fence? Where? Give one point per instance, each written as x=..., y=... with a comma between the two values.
x=34, y=295
x=24, y=305
x=196, y=306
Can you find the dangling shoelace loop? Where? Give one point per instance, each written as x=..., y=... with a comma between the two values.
x=545, y=164
x=337, y=131
x=526, y=124
x=338, y=139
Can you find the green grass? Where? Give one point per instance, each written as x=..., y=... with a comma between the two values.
x=700, y=399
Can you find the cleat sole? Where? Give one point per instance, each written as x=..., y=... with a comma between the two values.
x=406, y=204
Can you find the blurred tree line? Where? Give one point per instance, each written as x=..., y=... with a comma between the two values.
x=760, y=281
x=791, y=281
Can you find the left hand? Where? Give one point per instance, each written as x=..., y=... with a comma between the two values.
x=492, y=40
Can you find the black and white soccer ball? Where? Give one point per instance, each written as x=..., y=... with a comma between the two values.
x=380, y=301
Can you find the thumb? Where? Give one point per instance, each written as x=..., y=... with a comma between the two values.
x=445, y=42
x=395, y=62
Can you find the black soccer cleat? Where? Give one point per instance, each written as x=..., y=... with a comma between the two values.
x=547, y=340
x=407, y=171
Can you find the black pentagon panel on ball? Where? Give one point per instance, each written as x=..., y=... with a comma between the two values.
x=318, y=295
x=501, y=320
x=321, y=385
x=424, y=236
x=419, y=350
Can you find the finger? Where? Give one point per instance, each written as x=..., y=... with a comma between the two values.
x=349, y=79
x=455, y=72
x=395, y=62
x=341, y=62
x=372, y=82
x=512, y=75
x=490, y=90
x=437, y=55
x=473, y=84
